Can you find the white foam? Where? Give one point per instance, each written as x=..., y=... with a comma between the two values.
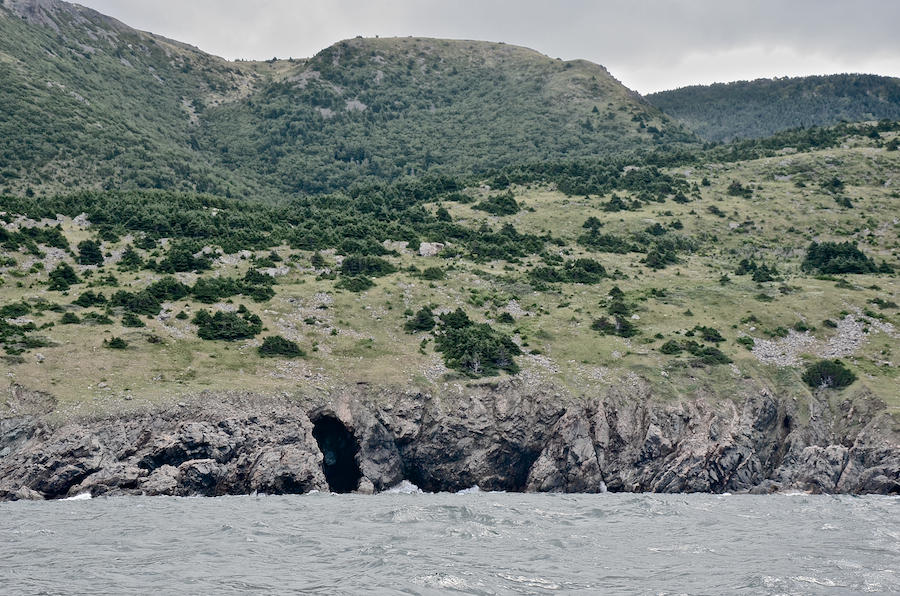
x=469, y=491
x=81, y=497
x=405, y=488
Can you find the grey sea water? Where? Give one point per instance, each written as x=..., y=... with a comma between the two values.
x=475, y=543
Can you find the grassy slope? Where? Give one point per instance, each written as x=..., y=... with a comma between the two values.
x=358, y=338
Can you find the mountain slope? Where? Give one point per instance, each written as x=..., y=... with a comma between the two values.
x=388, y=107
x=756, y=109
x=87, y=102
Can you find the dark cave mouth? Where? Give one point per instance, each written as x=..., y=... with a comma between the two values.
x=339, y=448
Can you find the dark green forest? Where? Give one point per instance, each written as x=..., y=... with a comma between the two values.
x=754, y=109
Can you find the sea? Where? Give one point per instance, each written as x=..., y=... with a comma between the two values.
x=473, y=542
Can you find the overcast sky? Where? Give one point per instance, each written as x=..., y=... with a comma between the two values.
x=649, y=45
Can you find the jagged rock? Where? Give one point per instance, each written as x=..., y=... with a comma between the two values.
x=163, y=481
x=14, y=432
x=201, y=477
x=569, y=462
x=365, y=487
x=23, y=493
x=117, y=476
x=500, y=436
x=821, y=467
x=430, y=249
x=289, y=470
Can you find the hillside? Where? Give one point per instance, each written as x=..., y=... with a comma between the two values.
x=383, y=108
x=755, y=109
x=88, y=102
x=585, y=274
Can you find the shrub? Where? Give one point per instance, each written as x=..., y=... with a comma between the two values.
x=116, y=343
x=659, y=257
x=475, y=349
x=179, y=259
x=131, y=260
x=617, y=326
x=140, y=303
x=132, y=320
x=606, y=243
x=504, y=204
x=671, y=347
x=358, y=283
x=746, y=341
x=422, y=321
x=585, y=271
x=63, y=277
x=506, y=319
x=278, y=346
x=227, y=326
x=70, y=318
x=709, y=334
x=89, y=299
x=433, y=274
x=95, y=318
x=709, y=355
x=356, y=265
x=89, y=253
x=736, y=189
x=14, y=310
x=828, y=373
x=834, y=258
x=614, y=205
x=762, y=274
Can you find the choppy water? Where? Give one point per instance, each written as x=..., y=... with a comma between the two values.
x=476, y=543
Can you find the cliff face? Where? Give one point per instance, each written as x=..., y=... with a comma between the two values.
x=500, y=437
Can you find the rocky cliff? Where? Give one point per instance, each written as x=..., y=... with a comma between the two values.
x=499, y=436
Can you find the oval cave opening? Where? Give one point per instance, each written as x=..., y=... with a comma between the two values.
x=339, y=448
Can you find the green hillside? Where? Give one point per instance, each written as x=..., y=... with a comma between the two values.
x=87, y=102
x=755, y=109
x=670, y=273
x=384, y=108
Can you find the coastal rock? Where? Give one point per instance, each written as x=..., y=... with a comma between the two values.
x=288, y=470
x=108, y=480
x=507, y=435
x=569, y=462
x=201, y=477
x=162, y=481
x=14, y=432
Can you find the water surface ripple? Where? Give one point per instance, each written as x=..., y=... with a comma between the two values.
x=476, y=543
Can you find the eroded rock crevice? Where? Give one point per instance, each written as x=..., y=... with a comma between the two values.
x=339, y=454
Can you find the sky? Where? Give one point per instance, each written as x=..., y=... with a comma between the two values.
x=649, y=45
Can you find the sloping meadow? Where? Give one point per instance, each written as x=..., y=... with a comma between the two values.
x=676, y=271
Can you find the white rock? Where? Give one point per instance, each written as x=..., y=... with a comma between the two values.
x=430, y=249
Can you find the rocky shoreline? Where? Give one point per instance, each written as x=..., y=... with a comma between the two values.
x=499, y=436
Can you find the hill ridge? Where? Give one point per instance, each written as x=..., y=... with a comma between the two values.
x=759, y=108
x=92, y=103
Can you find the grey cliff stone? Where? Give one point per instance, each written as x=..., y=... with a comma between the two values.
x=506, y=435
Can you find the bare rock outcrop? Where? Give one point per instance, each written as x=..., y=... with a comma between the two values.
x=506, y=435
